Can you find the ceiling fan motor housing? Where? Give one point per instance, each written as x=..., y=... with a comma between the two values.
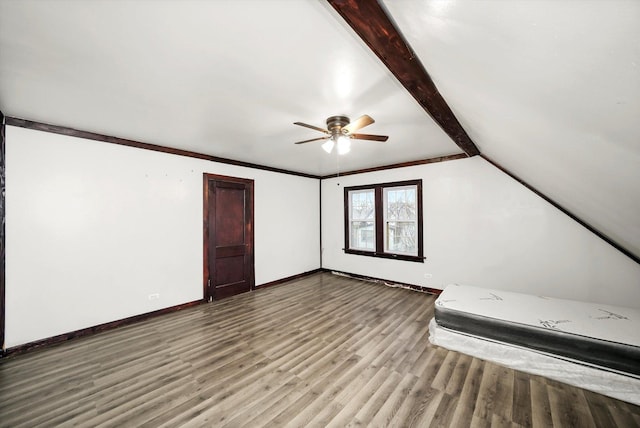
x=336, y=123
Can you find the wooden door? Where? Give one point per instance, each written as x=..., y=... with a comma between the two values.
x=228, y=230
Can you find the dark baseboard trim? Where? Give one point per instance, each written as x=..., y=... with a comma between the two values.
x=386, y=282
x=50, y=341
x=289, y=278
x=63, y=130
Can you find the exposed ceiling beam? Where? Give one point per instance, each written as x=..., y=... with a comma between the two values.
x=370, y=20
x=376, y=28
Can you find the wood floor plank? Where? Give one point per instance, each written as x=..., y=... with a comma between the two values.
x=367, y=411
x=322, y=350
x=239, y=398
x=331, y=400
x=599, y=410
x=261, y=405
x=503, y=398
x=404, y=363
x=463, y=413
x=540, y=407
x=445, y=411
x=494, y=396
x=623, y=418
x=568, y=407
x=298, y=409
x=458, y=376
x=445, y=371
x=391, y=406
x=521, y=400
x=418, y=407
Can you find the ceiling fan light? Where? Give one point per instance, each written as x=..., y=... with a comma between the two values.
x=328, y=146
x=344, y=145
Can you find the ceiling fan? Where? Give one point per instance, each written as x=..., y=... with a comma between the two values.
x=340, y=130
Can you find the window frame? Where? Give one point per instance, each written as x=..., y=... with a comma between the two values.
x=350, y=221
x=379, y=216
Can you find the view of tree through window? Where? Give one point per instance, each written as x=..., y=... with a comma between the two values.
x=401, y=211
x=362, y=220
x=384, y=220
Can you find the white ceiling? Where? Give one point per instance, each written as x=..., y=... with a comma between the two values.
x=548, y=89
x=226, y=78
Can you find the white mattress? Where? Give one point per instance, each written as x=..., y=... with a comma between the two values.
x=585, y=320
x=605, y=322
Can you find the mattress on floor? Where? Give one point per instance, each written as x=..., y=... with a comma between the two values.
x=601, y=335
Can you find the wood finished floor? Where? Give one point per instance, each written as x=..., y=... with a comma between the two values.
x=320, y=351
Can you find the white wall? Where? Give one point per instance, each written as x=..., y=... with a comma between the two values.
x=485, y=229
x=94, y=228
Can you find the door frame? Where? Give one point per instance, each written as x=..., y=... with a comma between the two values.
x=208, y=180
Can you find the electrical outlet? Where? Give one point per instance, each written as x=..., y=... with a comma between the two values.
x=154, y=296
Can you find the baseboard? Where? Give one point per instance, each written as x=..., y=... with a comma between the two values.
x=387, y=282
x=50, y=341
x=290, y=278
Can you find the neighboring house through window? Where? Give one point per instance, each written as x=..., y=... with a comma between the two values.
x=384, y=220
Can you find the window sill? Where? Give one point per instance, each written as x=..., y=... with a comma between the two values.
x=402, y=257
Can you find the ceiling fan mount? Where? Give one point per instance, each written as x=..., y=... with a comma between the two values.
x=336, y=123
x=340, y=130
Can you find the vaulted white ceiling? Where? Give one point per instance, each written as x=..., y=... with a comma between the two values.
x=550, y=90
x=226, y=78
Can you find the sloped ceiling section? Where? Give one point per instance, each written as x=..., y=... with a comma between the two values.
x=549, y=90
x=373, y=24
x=226, y=78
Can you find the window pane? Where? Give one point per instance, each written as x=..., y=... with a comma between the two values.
x=401, y=203
x=363, y=205
x=381, y=220
x=363, y=235
x=401, y=237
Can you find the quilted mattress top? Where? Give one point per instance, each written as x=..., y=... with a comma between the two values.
x=606, y=322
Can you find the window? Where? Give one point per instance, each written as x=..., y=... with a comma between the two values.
x=384, y=220
x=362, y=211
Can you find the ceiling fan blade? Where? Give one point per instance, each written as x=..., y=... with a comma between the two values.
x=313, y=139
x=311, y=127
x=370, y=137
x=359, y=123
